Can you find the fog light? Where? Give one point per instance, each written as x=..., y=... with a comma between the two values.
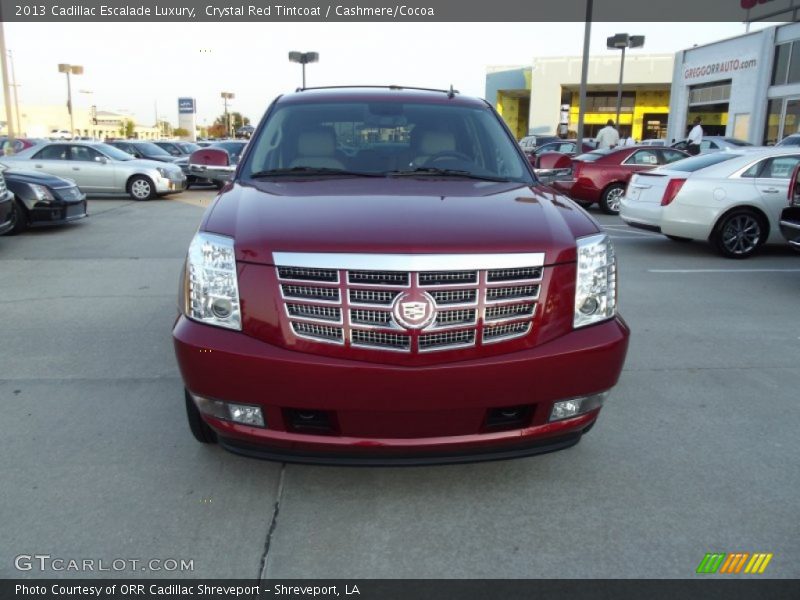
x=566, y=409
x=246, y=415
x=590, y=306
x=222, y=308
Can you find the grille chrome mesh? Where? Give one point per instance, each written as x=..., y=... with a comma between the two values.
x=355, y=307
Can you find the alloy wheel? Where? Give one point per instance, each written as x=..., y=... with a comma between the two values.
x=741, y=235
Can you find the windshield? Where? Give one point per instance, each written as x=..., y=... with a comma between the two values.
x=151, y=149
x=113, y=152
x=188, y=147
x=690, y=165
x=735, y=142
x=386, y=138
x=593, y=155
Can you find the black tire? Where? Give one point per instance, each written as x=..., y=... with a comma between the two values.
x=740, y=233
x=141, y=187
x=675, y=238
x=200, y=429
x=609, y=202
x=19, y=218
x=583, y=205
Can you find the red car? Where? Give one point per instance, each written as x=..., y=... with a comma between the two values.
x=385, y=281
x=602, y=175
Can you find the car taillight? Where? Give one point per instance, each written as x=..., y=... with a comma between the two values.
x=576, y=168
x=673, y=187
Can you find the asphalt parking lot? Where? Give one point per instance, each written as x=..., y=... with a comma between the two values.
x=696, y=450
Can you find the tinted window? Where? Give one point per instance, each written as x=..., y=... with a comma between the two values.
x=593, y=155
x=643, y=157
x=113, y=152
x=695, y=163
x=671, y=156
x=781, y=64
x=84, y=153
x=794, y=65
x=793, y=140
x=779, y=167
x=386, y=136
x=171, y=148
x=54, y=152
x=150, y=149
x=188, y=147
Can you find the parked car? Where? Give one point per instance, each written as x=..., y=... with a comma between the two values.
x=216, y=162
x=60, y=134
x=145, y=150
x=18, y=145
x=567, y=147
x=6, y=207
x=43, y=199
x=530, y=142
x=245, y=131
x=714, y=143
x=733, y=199
x=423, y=301
x=601, y=175
x=178, y=148
x=654, y=143
x=101, y=169
x=792, y=140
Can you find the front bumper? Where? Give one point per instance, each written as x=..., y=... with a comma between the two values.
x=220, y=173
x=398, y=415
x=171, y=185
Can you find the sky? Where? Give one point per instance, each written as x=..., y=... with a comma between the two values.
x=134, y=67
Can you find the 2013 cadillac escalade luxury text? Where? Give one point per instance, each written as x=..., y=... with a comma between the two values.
x=384, y=281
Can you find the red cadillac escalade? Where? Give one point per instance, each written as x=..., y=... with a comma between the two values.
x=384, y=281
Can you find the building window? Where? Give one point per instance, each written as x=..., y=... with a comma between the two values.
x=710, y=94
x=773, y=122
x=606, y=102
x=781, y=67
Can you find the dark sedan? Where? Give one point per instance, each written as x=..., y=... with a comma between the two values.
x=177, y=149
x=41, y=199
x=602, y=175
x=146, y=150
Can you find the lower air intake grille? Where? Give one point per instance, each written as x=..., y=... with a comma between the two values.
x=440, y=341
x=375, y=339
x=319, y=332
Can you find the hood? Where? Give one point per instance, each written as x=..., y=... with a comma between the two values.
x=36, y=177
x=415, y=216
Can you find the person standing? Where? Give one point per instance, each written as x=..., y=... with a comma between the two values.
x=695, y=137
x=608, y=136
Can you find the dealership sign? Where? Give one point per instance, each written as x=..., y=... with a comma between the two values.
x=186, y=106
x=720, y=67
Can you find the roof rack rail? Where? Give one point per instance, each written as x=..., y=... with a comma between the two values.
x=450, y=93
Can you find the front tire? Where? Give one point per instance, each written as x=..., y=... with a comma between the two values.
x=19, y=218
x=199, y=428
x=141, y=188
x=610, y=202
x=739, y=234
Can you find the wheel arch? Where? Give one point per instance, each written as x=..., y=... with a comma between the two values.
x=752, y=208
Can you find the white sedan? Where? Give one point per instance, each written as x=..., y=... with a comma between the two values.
x=732, y=199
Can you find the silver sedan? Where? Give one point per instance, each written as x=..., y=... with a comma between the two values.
x=100, y=169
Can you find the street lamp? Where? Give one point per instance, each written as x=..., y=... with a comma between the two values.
x=70, y=70
x=623, y=41
x=304, y=58
x=225, y=97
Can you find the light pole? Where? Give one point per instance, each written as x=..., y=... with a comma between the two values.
x=74, y=70
x=6, y=92
x=225, y=97
x=16, y=90
x=304, y=58
x=623, y=41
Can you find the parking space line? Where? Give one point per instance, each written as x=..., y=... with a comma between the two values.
x=723, y=270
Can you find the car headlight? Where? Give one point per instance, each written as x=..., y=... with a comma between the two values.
x=41, y=192
x=210, y=287
x=163, y=172
x=596, y=284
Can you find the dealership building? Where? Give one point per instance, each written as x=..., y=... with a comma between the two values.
x=746, y=87
x=540, y=97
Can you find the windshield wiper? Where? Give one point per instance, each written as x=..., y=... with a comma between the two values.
x=311, y=171
x=446, y=172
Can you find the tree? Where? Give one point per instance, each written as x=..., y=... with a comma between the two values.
x=126, y=128
x=180, y=132
x=219, y=128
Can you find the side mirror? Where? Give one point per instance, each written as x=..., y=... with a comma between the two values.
x=101, y=159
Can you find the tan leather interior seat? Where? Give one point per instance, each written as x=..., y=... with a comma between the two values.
x=430, y=143
x=317, y=149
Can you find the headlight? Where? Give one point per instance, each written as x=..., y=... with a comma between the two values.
x=163, y=172
x=211, y=289
x=41, y=192
x=596, y=285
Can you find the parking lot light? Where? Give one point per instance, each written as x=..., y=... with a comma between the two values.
x=304, y=58
x=70, y=70
x=623, y=41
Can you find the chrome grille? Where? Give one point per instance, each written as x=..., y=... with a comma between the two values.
x=332, y=298
x=374, y=339
x=365, y=316
x=378, y=278
x=318, y=332
x=442, y=341
x=329, y=275
x=307, y=292
x=448, y=278
x=2, y=184
x=444, y=297
x=312, y=311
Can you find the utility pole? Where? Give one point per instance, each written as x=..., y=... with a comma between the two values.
x=587, y=34
x=15, y=85
x=6, y=91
